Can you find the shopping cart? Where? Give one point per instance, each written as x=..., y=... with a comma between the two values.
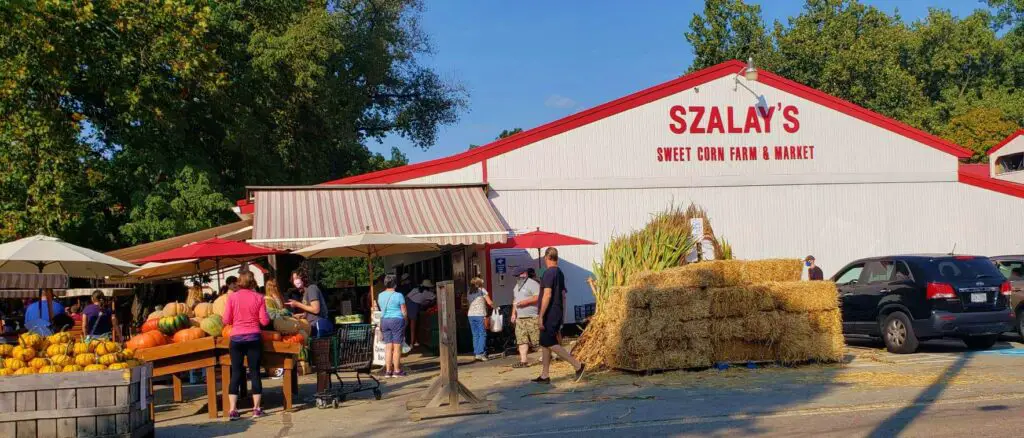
x=349, y=350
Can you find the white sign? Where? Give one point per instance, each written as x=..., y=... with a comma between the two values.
x=697, y=229
x=378, y=347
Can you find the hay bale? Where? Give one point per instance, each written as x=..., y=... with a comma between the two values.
x=736, y=350
x=801, y=296
x=721, y=273
x=739, y=301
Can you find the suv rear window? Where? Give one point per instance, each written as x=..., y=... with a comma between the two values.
x=960, y=268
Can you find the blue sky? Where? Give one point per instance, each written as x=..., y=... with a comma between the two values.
x=526, y=63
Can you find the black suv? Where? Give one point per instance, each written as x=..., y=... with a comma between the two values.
x=907, y=299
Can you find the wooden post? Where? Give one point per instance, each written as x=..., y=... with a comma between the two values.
x=442, y=399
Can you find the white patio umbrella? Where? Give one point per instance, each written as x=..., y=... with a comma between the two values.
x=46, y=254
x=369, y=244
x=183, y=268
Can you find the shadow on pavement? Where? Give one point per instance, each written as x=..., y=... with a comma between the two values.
x=899, y=421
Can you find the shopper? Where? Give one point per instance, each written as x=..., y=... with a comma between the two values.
x=232, y=283
x=314, y=307
x=479, y=302
x=98, y=320
x=245, y=312
x=75, y=311
x=392, y=326
x=552, y=311
x=273, y=293
x=39, y=315
x=524, y=314
x=418, y=299
x=813, y=271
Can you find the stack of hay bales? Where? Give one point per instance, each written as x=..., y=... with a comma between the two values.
x=721, y=311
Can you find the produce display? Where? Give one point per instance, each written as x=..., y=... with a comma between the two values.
x=170, y=325
x=59, y=353
x=348, y=319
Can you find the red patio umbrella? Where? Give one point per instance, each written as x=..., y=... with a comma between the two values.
x=541, y=239
x=215, y=249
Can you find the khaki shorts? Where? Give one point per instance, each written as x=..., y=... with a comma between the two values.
x=527, y=332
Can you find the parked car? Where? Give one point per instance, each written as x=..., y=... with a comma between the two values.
x=1012, y=267
x=912, y=298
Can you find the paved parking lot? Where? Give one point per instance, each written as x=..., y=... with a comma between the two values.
x=944, y=390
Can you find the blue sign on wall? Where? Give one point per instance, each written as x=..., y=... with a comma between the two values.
x=499, y=265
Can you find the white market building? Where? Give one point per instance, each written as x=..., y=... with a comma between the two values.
x=783, y=170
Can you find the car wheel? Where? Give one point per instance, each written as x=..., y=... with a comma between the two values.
x=981, y=342
x=898, y=334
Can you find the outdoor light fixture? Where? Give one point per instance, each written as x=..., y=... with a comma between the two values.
x=750, y=72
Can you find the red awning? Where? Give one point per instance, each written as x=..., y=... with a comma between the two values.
x=297, y=217
x=211, y=249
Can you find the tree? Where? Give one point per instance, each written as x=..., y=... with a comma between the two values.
x=177, y=205
x=504, y=133
x=978, y=129
x=728, y=29
x=348, y=269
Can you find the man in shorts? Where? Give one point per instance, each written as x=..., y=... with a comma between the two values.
x=524, y=314
x=552, y=312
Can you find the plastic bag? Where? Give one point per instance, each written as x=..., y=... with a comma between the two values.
x=406, y=348
x=497, y=321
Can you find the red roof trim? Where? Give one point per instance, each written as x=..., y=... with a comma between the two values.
x=978, y=175
x=1006, y=141
x=637, y=99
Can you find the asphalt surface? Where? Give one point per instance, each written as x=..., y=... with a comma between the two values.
x=944, y=390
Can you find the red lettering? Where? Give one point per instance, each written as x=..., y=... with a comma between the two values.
x=678, y=115
x=715, y=121
x=695, y=127
x=733, y=129
x=764, y=153
x=767, y=116
x=811, y=147
x=660, y=157
x=753, y=123
x=792, y=124
x=778, y=152
x=751, y=153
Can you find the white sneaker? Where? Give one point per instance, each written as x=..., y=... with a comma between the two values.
x=481, y=358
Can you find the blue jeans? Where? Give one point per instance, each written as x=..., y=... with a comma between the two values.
x=476, y=323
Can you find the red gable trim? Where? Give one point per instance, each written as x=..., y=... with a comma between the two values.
x=635, y=100
x=978, y=175
x=1006, y=141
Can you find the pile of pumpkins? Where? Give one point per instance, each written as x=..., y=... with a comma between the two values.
x=177, y=323
x=59, y=353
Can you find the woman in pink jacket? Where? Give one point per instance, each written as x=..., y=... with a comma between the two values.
x=245, y=312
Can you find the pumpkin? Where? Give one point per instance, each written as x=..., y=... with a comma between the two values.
x=60, y=338
x=95, y=367
x=38, y=362
x=118, y=366
x=24, y=354
x=30, y=340
x=203, y=310
x=297, y=338
x=6, y=372
x=226, y=332
x=212, y=325
x=58, y=349
x=72, y=368
x=287, y=325
x=189, y=334
x=93, y=344
x=24, y=371
x=150, y=325
x=110, y=358
x=168, y=325
x=155, y=315
x=175, y=308
x=6, y=350
x=128, y=353
x=268, y=335
x=60, y=359
x=147, y=340
x=303, y=325
x=14, y=364
x=49, y=369
x=107, y=347
x=219, y=305
x=85, y=359
x=80, y=348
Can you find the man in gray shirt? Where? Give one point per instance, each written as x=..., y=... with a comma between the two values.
x=524, y=313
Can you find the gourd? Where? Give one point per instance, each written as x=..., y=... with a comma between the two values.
x=118, y=366
x=60, y=338
x=95, y=367
x=303, y=325
x=60, y=360
x=150, y=325
x=189, y=334
x=85, y=359
x=170, y=324
x=72, y=368
x=110, y=359
x=30, y=340
x=6, y=372
x=49, y=369
x=175, y=308
x=6, y=350
x=268, y=335
x=38, y=362
x=146, y=340
x=128, y=353
x=23, y=354
x=288, y=325
x=14, y=364
x=80, y=348
x=212, y=325
x=155, y=315
x=219, y=305
x=24, y=371
x=105, y=348
x=58, y=349
x=203, y=310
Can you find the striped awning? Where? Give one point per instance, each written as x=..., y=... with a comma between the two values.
x=297, y=217
x=19, y=280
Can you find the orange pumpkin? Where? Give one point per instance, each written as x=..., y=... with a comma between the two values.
x=150, y=325
x=188, y=334
x=147, y=340
x=295, y=339
x=226, y=332
x=268, y=335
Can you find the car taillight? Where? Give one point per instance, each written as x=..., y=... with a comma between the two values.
x=1005, y=288
x=937, y=291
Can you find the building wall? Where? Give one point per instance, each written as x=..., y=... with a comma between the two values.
x=469, y=174
x=1013, y=147
x=837, y=223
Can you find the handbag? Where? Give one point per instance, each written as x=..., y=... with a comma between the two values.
x=497, y=321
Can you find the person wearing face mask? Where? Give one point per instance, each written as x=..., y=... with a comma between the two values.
x=314, y=307
x=524, y=314
x=813, y=271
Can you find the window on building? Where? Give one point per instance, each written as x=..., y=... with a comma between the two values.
x=1010, y=163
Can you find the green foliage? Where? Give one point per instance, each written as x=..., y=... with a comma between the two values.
x=726, y=248
x=662, y=243
x=504, y=133
x=100, y=98
x=348, y=269
x=186, y=203
x=938, y=73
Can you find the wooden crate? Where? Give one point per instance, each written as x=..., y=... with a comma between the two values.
x=80, y=404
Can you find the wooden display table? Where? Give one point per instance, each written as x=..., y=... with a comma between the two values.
x=275, y=355
x=172, y=359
